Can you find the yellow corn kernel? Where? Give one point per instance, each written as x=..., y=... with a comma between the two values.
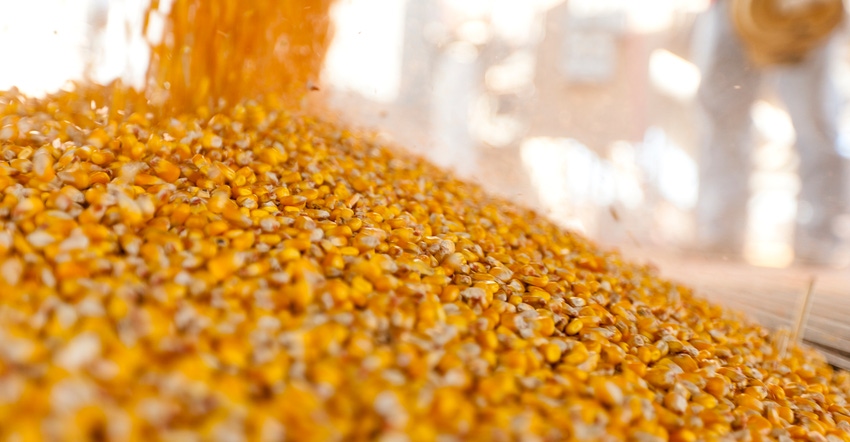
x=551, y=353
x=607, y=391
x=166, y=170
x=216, y=228
x=224, y=265
x=243, y=242
x=577, y=355
x=42, y=163
x=574, y=326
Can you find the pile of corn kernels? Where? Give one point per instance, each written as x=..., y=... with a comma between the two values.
x=259, y=274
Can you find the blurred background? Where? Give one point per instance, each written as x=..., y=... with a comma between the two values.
x=585, y=109
x=616, y=118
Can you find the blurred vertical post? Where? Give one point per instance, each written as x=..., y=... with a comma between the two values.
x=419, y=52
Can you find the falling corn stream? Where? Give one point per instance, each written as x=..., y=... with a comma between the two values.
x=207, y=260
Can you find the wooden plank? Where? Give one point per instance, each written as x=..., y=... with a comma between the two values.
x=830, y=327
x=835, y=358
x=831, y=312
x=840, y=343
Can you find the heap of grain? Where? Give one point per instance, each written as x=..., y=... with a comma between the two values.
x=246, y=271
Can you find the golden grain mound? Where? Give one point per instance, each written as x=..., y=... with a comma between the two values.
x=260, y=274
x=219, y=266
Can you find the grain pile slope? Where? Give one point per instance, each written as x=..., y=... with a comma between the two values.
x=264, y=274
